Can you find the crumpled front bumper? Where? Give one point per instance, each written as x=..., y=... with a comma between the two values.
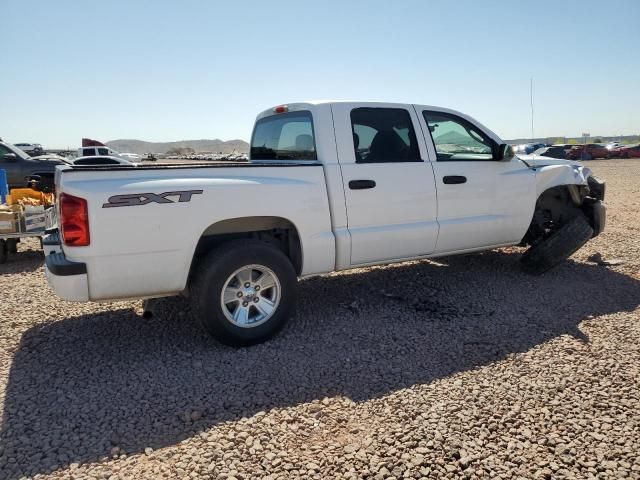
x=598, y=211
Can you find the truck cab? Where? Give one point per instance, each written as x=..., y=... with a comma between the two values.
x=97, y=151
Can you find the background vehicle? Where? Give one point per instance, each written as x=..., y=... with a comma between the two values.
x=528, y=148
x=32, y=149
x=101, y=160
x=552, y=152
x=330, y=186
x=95, y=151
x=588, y=152
x=612, y=145
x=19, y=166
x=627, y=151
x=132, y=157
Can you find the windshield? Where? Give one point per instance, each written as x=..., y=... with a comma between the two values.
x=17, y=151
x=287, y=136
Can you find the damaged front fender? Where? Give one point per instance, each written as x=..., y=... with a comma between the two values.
x=562, y=190
x=561, y=175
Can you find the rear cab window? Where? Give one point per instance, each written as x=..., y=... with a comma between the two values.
x=383, y=135
x=284, y=136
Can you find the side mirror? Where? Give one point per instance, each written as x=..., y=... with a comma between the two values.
x=10, y=157
x=505, y=152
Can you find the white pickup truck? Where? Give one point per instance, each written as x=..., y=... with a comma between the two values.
x=329, y=186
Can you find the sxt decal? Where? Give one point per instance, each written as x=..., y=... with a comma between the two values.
x=136, y=199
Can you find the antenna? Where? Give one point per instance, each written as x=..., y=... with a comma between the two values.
x=531, y=97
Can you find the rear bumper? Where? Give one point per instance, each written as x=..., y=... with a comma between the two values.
x=67, y=279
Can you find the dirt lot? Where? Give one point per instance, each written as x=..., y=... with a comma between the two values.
x=460, y=368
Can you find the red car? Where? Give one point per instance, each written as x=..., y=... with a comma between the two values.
x=588, y=152
x=628, y=151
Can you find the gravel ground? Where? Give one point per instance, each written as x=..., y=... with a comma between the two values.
x=458, y=368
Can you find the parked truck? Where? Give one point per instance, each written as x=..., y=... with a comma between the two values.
x=22, y=168
x=329, y=186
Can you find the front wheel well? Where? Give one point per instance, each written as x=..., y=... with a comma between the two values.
x=275, y=231
x=555, y=206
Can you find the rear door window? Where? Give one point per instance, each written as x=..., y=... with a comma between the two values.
x=383, y=135
x=286, y=136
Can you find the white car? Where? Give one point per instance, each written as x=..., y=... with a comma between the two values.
x=32, y=149
x=100, y=160
x=132, y=157
x=329, y=186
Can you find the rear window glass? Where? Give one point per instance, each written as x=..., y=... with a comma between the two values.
x=287, y=136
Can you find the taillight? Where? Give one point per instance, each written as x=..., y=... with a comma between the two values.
x=74, y=220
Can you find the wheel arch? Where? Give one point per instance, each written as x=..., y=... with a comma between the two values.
x=557, y=204
x=276, y=231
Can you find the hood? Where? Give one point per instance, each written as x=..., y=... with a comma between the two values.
x=540, y=161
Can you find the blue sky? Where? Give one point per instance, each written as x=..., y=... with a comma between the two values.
x=163, y=71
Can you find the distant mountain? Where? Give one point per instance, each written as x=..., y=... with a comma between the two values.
x=214, y=146
x=455, y=138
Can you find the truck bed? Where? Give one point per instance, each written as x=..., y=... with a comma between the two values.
x=179, y=166
x=146, y=248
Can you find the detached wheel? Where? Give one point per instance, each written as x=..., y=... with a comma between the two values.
x=244, y=292
x=559, y=246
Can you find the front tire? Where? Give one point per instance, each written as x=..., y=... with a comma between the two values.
x=559, y=246
x=244, y=292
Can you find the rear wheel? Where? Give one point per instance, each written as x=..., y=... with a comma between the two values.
x=244, y=292
x=559, y=246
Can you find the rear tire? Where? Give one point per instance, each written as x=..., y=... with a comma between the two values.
x=244, y=292
x=559, y=246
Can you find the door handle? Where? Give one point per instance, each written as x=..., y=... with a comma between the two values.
x=361, y=184
x=454, y=179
